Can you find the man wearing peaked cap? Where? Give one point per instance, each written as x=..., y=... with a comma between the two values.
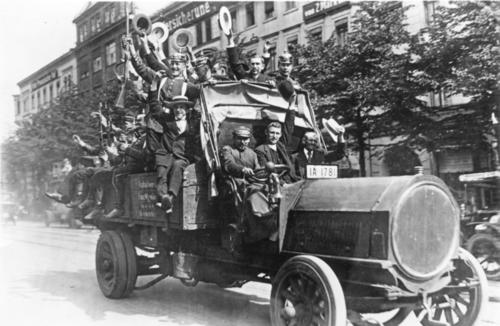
x=284, y=82
x=239, y=160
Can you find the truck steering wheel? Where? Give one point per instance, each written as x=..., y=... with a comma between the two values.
x=261, y=174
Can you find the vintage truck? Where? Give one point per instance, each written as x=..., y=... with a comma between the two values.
x=364, y=245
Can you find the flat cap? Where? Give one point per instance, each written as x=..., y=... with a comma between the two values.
x=242, y=131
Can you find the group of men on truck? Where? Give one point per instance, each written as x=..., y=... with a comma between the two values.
x=169, y=138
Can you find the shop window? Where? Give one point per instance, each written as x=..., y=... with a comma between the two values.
x=250, y=14
x=268, y=9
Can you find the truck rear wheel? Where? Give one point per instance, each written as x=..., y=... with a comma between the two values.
x=306, y=291
x=116, y=264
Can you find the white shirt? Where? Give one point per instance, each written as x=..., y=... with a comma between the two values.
x=181, y=125
x=309, y=154
x=273, y=147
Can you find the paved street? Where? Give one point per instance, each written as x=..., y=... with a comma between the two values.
x=48, y=278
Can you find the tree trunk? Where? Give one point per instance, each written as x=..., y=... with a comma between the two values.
x=361, y=143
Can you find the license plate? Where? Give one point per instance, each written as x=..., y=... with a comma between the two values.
x=322, y=171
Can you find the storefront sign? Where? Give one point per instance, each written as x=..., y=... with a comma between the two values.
x=318, y=8
x=47, y=78
x=190, y=14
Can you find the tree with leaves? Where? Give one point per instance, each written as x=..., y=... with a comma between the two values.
x=370, y=82
x=460, y=55
x=46, y=137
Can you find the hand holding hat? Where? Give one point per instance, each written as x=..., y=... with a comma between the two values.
x=334, y=129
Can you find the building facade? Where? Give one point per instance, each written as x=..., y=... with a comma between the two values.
x=99, y=28
x=280, y=23
x=39, y=89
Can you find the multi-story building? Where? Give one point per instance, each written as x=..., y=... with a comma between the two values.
x=281, y=23
x=40, y=88
x=99, y=27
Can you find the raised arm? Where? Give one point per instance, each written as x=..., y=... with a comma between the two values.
x=289, y=125
x=144, y=71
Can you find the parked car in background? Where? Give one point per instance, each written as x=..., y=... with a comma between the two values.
x=480, y=219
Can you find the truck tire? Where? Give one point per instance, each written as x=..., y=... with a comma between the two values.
x=306, y=291
x=116, y=264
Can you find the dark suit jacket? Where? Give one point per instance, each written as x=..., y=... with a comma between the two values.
x=319, y=156
x=239, y=68
x=185, y=146
x=266, y=154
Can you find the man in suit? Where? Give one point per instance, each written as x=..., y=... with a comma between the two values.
x=180, y=146
x=310, y=153
x=254, y=72
x=277, y=139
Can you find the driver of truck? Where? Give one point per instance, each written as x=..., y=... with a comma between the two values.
x=277, y=139
x=240, y=161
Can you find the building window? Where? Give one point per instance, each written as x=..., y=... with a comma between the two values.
x=110, y=53
x=429, y=8
x=268, y=9
x=98, y=22
x=250, y=14
x=316, y=34
x=85, y=30
x=289, y=5
x=271, y=66
x=84, y=70
x=208, y=30
x=92, y=25
x=291, y=42
x=233, y=20
x=50, y=92
x=199, y=36
x=341, y=32
x=33, y=104
x=44, y=96
x=106, y=15
x=97, y=64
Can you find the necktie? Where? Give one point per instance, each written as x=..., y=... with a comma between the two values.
x=309, y=156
